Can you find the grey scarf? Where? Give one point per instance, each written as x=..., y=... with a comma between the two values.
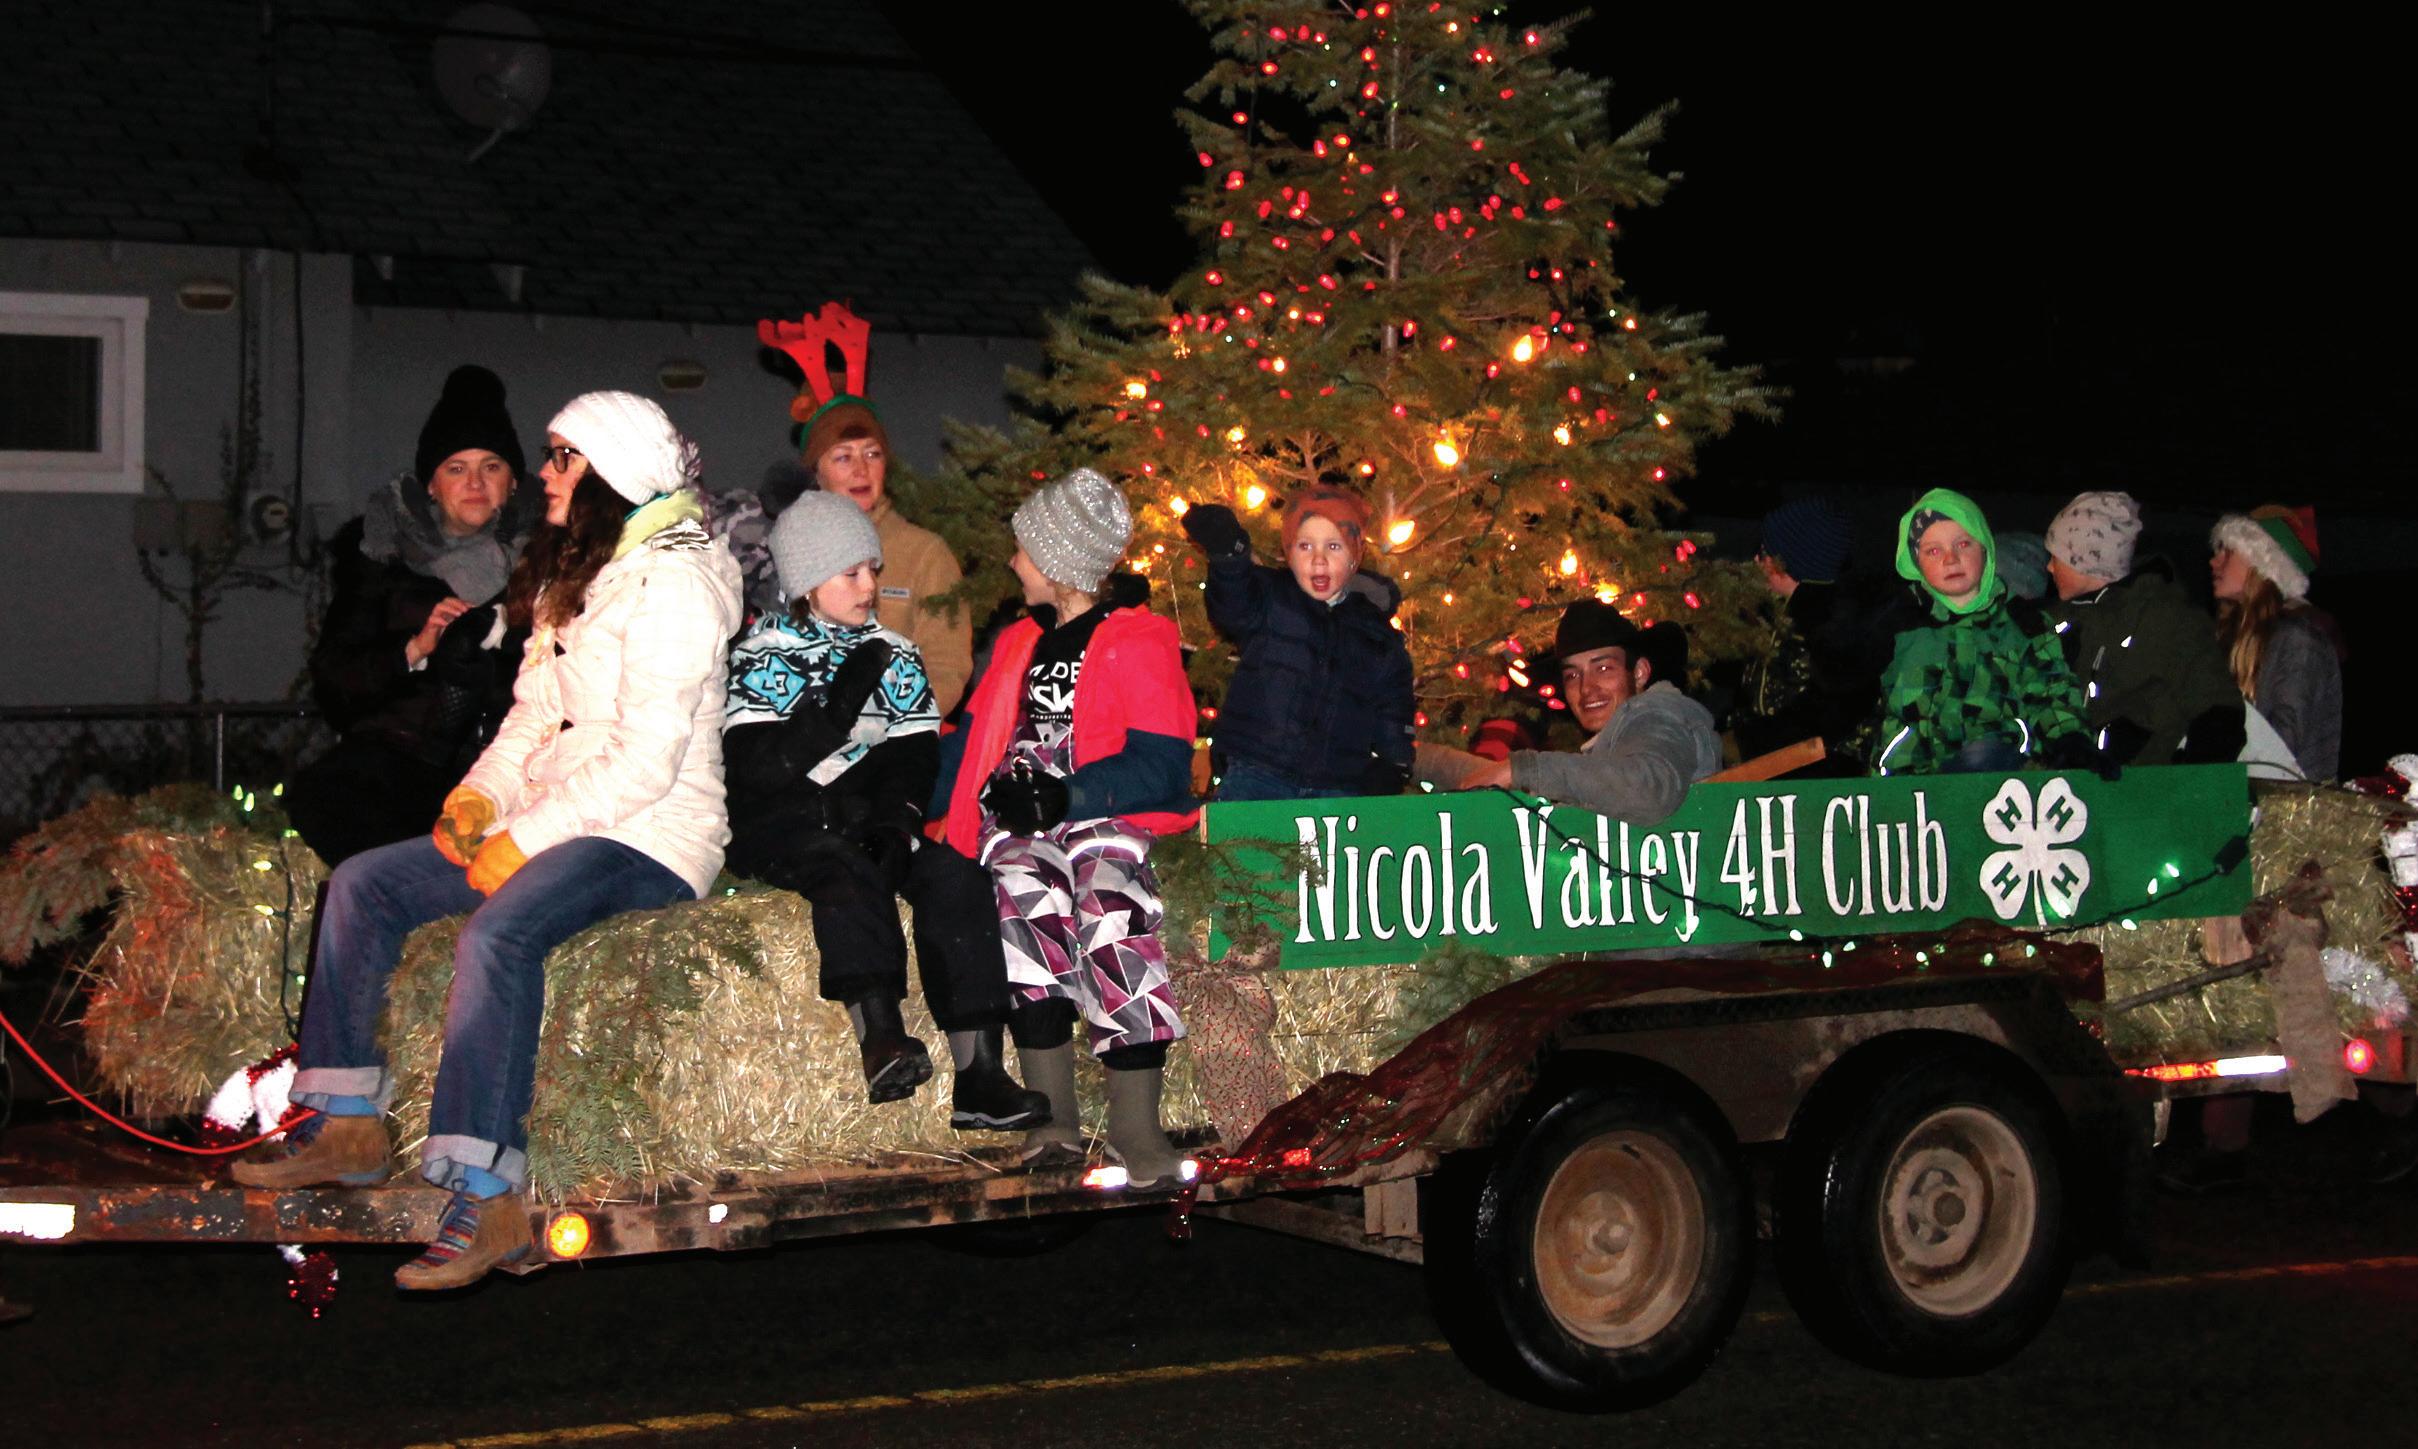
x=400, y=521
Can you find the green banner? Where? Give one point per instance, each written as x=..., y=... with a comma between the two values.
x=1389, y=879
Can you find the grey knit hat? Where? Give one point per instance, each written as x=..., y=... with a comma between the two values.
x=819, y=537
x=1075, y=530
x=2095, y=534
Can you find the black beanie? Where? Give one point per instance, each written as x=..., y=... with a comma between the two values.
x=469, y=414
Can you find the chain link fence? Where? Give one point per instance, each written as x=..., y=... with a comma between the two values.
x=54, y=758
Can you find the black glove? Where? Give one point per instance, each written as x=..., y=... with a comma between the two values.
x=458, y=657
x=889, y=848
x=808, y=735
x=2080, y=751
x=1026, y=801
x=2125, y=741
x=854, y=682
x=1384, y=777
x=1214, y=527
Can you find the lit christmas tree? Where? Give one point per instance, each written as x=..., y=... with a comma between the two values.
x=1407, y=219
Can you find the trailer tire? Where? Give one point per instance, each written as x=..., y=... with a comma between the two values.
x=1597, y=1261
x=1920, y=1224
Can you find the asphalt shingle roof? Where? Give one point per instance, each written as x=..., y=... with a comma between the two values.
x=714, y=161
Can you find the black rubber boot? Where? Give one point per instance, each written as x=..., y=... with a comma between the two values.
x=895, y=1063
x=986, y=1098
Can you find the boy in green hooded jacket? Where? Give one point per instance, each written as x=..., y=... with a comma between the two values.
x=1985, y=685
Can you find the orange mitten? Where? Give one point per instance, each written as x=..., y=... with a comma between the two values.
x=499, y=859
x=462, y=824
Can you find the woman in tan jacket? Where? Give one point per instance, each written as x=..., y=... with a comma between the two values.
x=850, y=455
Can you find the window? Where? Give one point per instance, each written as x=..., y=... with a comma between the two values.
x=71, y=393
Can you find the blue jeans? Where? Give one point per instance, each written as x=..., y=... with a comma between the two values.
x=1244, y=780
x=492, y=1012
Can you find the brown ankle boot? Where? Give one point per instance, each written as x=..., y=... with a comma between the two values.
x=477, y=1234
x=348, y=1151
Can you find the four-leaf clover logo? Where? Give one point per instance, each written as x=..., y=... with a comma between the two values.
x=2036, y=863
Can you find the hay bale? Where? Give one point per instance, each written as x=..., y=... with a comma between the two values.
x=201, y=962
x=2339, y=830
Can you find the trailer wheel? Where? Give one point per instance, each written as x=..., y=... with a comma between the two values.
x=1599, y=1261
x=1920, y=1226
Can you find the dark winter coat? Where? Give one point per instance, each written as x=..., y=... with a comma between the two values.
x=442, y=713
x=2153, y=675
x=783, y=822
x=1322, y=693
x=1823, y=676
x=2300, y=691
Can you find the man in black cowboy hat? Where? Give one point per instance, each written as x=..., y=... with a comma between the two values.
x=1648, y=742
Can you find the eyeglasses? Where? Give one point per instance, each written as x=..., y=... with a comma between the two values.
x=562, y=456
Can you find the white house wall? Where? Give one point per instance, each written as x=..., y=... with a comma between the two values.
x=84, y=627
x=739, y=417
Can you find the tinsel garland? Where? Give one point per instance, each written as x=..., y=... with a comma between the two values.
x=2366, y=985
x=262, y=1092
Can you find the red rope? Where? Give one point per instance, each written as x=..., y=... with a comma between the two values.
x=125, y=1126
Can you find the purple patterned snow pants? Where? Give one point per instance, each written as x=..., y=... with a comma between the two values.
x=1079, y=917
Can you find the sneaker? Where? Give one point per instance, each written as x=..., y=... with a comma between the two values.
x=895, y=1065
x=347, y=1151
x=477, y=1234
x=987, y=1099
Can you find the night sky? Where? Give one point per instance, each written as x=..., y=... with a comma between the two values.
x=2119, y=258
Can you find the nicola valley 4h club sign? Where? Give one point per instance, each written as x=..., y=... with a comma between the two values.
x=1386, y=880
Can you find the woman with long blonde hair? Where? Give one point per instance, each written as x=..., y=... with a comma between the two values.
x=2282, y=654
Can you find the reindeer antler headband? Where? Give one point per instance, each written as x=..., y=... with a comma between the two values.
x=809, y=341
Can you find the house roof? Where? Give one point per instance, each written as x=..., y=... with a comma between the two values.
x=714, y=161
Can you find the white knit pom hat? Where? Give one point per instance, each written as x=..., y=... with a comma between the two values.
x=629, y=443
x=1075, y=529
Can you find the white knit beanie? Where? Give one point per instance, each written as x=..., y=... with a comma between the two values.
x=818, y=537
x=2095, y=534
x=629, y=443
x=1075, y=530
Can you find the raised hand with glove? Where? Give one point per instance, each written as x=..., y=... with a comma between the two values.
x=1215, y=528
x=1024, y=800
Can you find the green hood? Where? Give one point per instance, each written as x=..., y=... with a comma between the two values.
x=1966, y=514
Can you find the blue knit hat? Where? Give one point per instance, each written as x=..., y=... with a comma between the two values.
x=1810, y=536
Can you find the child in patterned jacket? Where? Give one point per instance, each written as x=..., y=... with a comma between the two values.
x=830, y=746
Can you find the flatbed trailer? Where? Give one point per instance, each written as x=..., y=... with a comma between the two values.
x=1580, y=1161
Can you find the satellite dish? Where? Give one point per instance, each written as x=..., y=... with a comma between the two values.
x=493, y=68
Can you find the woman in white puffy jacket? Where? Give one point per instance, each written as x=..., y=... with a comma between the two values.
x=601, y=793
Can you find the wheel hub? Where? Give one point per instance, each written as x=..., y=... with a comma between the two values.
x=1958, y=1207
x=1619, y=1239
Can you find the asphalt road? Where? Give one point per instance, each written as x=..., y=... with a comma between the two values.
x=2283, y=1313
